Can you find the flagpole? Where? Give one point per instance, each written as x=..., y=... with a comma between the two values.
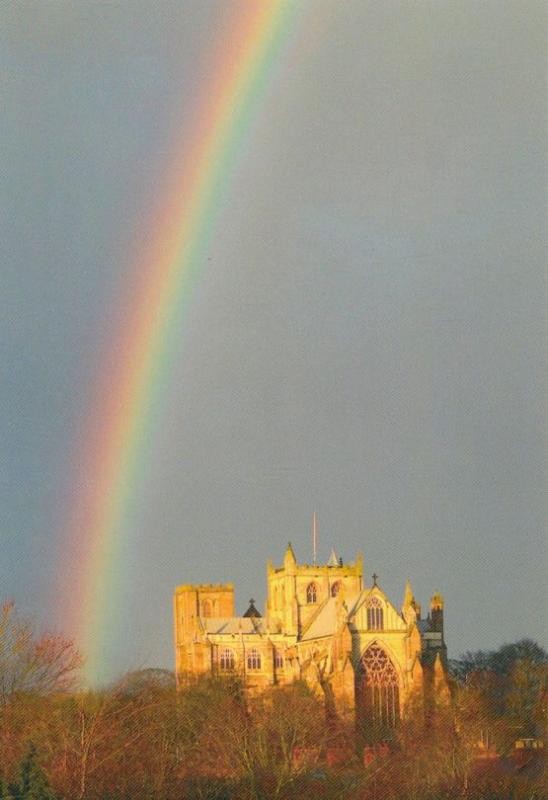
x=314, y=541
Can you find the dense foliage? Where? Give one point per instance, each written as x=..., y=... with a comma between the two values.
x=141, y=738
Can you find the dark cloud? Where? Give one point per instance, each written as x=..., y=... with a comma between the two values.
x=365, y=339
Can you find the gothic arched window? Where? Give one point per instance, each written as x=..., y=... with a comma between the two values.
x=206, y=608
x=278, y=659
x=253, y=659
x=311, y=593
x=375, y=616
x=335, y=589
x=379, y=687
x=226, y=659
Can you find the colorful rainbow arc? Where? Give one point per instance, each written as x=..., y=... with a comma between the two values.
x=148, y=331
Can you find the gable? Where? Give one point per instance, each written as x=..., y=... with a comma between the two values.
x=392, y=620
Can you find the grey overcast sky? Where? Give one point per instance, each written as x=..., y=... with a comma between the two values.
x=366, y=340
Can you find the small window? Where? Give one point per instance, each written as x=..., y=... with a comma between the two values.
x=278, y=659
x=206, y=608
x=375, y=616
x=226, y=660
x=335, y=589
x=311, y=593
x=253, y=659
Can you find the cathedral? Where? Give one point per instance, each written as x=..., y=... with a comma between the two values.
x=322, y=624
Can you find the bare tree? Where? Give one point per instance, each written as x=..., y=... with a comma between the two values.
x=31, y=663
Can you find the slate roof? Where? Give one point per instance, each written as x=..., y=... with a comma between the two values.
x=252, y=610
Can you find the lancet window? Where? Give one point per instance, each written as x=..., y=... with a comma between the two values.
x=278, y=659
x=375, y=615
x=335, y=588
x=226, y=659
x=311, y=593
x=253, y=659
x=380, y=687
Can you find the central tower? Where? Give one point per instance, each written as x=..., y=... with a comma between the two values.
x=295, y=592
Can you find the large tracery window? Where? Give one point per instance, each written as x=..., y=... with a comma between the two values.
x=253, y=659
x=311, y=593
x=226, y=659
x=379, y=687
x=375, y=616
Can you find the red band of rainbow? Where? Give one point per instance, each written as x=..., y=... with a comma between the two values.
x=147, y=334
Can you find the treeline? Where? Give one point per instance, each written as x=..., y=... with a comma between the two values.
x=140, y=739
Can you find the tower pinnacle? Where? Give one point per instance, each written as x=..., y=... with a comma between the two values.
x=408, y=598
x=289, y=556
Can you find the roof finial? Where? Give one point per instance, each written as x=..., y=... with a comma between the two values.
x=375, y=576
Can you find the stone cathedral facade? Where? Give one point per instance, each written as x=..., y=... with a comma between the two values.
x=323, y=625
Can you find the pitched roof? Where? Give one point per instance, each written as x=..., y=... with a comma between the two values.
x=325, y=622
x=252, y=611
x=232, y=624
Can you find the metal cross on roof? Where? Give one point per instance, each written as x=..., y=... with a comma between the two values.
x=374, y=576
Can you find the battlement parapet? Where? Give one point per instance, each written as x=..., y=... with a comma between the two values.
x=204, y=587
x=311, y=569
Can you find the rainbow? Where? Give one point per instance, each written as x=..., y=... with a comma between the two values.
x=111, y=452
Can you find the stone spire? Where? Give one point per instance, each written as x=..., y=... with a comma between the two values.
x=333, y=559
